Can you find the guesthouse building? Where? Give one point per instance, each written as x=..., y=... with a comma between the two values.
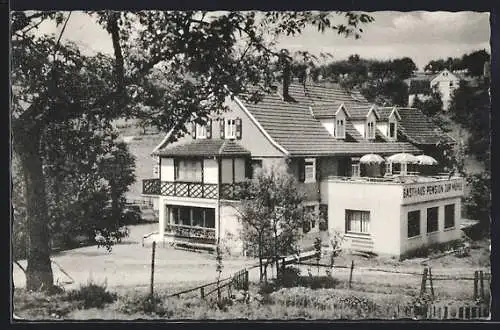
x=385, y=205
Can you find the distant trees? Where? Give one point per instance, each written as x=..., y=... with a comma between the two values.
x=379, y=81
x=472, y=62
x=470, y=107
x=271, y=215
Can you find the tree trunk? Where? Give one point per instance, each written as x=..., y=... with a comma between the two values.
x=260, y=259
x=39, y=271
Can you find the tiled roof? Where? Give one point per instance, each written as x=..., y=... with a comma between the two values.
x=419, y=129
x=359, y=111
x=293, y=127
x=205, y=147
x=325, y=110
x=384, y=112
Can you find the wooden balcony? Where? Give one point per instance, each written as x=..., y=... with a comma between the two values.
x=191, y=233
x=227, y=191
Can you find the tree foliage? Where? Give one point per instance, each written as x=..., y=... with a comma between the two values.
x=271, y=214
x=379, y=81
x=473, y=63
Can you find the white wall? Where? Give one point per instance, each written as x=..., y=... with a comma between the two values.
x=383, y=127
x=211, y=171
x=239, y=170
x=167, y=169
x=227, y=171
x=329, y=125
x=230, y=226
x=441, y=236
x=360, y=126
x=382, y=200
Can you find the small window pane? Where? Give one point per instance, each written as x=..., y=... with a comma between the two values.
x=449, y=216
x=432, y=219
x=413, y=223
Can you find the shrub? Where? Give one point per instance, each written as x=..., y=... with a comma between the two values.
x=137, y=303
x=289, y=277
x=318, y=282
x=92, y=295
x=266, y=288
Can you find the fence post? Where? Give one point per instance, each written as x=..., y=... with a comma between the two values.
x=476, y=278
x=481, y=284
x=430, y=282
x=152, y=269
x=350, y=275
x=424, y=280
x=202, y=293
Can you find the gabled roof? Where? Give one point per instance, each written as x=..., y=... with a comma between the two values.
x=419, y=129
x=386, y=112
x=362, y=111
x=205, y=148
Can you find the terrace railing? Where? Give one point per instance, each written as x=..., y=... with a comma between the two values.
x=202, y=234
x=229, y=191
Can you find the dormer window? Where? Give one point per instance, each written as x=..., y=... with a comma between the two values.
x=230, y=128
x=340, y=129
x=370, y=132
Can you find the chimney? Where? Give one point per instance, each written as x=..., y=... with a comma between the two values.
x=286, y=80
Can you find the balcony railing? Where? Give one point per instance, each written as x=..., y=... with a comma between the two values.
x=191, y=189
x=200, y=234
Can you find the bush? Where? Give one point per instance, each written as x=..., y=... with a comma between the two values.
x=289, y=277
x=318, y=282
x=92, y=295
x=143, y=303
x=266, y=288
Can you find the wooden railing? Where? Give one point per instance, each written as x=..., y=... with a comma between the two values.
x=191, y=189
x=206, y=235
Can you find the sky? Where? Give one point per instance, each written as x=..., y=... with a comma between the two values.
x=420, y=35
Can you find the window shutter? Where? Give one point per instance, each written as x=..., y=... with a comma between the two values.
x=193, y=130
x=248, y=169
x=222, y=127
x=209, y=129
x=176, y=169
x=318, y=174
x=238, y=128
x=302, y=170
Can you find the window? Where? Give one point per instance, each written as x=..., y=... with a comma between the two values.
x=432, y=219
x=230, y=128
x=188, y=170
x=340, y=130
x=413, y=223
x=370, y=132
x=357, y=221
x=392, y=130
x=355, y=170
x=449, y=216
x=201, y=131
x=388, y=167
x=310, y=170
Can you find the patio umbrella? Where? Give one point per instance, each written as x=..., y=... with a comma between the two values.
x=426, y=160
x=403, y=158
x=371, y=159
